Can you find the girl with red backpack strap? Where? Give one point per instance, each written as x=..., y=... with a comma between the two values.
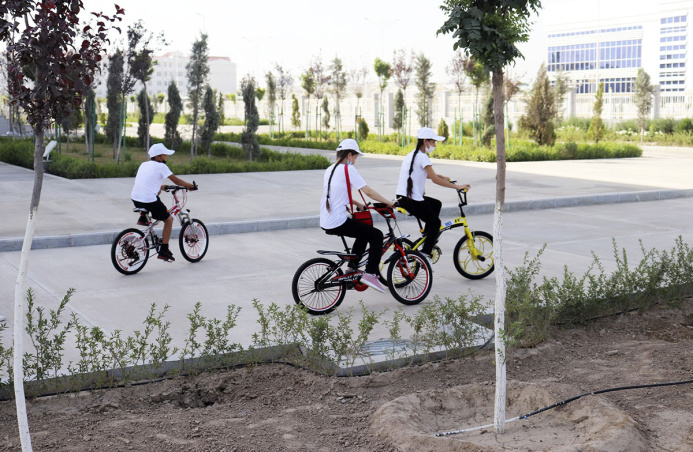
x=339, y=179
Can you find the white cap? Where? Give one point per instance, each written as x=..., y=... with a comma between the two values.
x=349, y=144
x=426, y=133
x=158, y=149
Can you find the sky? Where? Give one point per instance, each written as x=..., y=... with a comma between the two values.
x=256, y=35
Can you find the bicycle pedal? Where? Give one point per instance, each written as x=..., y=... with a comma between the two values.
x=360, y=287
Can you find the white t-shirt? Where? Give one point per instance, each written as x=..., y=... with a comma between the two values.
x=339, y=198
x=148, y=181
x=418, y=175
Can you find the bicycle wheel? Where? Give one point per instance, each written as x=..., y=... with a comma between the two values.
x=479, y=267
x=129, y=253
x=410, y=278
x=312, y=289
x=193, y=240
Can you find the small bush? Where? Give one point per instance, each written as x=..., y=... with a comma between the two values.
x=686, y=126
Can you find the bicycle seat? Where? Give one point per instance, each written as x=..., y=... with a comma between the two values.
x=140, y=210
x=339, y=254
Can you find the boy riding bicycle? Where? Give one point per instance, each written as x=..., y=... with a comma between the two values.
x=145, y=193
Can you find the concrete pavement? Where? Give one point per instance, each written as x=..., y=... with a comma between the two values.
x=240, y=267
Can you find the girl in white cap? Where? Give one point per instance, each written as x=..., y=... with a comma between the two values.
x=416, y=168
x=333, y=214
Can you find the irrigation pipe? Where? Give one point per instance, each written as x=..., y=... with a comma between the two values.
x=566, y=401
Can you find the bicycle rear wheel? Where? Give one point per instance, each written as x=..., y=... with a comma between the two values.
x=479, y=267
x=410, y=278
x=312, y=288
x=129, y=253
x=193, y=240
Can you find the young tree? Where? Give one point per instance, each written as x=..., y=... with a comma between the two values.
x=338, y=80
x=357, y=78
x=326, y=113
x=271, y=94
x=72, y=123
x=113, y=98
x=322, y=79
x=90, y=115
x=489, y=30
x=642, y=98
x=211, y=124
x=382, y=70
x=478, y=76
x=252, y=121
x=596, y=129
x=398, y=117
x=220, y=109
x=540, y=110
x=426, y=89
x=401, y=73
x=145, y=104
x=560, y=88
x=284, y=82
x=295, y=112
x=141, y=48
x=198, y=70
x=172, y=138
x=259, y=93
x=53, y=59
x=458, y=76
x=308, y=85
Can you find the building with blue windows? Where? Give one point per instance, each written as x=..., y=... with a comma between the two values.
x=611, y=50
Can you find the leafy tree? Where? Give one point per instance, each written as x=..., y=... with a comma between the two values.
x=401, y=69
x=643, y=91
x=398, y=117
x=363, y=129
x=382, y=70
x=172, y=138
x=322, y=79
x=259, y=93
x=90, y=115
x=560, y=88
x=271, y=93
x=338, y=81
x=326, y=113
x=426, y=89
x=220, y=109
x=113, y=99
x=284, y=82
x=308, y=85
x=357, y=78
x=140, y=51
x=443, y=129
x=489, y=30
x=52, y=61
x=295, y=112
x=540, y=111
x=596, y=129
x=252, y=121
x=478, y=76
x=211, y=124
x=72, y=123
x=145, y=104
x=198, y=70
x=458, y=76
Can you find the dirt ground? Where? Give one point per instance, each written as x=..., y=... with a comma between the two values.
x=277, y=407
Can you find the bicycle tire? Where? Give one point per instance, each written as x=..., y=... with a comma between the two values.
x=193, y=240
x=307, y=291
x=470, y=267
x=127, y=258
x=410, y=284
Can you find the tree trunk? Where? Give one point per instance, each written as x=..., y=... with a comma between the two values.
x=146, y=117
x=193, y=148
x=121, y=128
x=20, y=294
x=501, y=283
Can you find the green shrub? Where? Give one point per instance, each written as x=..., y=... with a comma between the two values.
x=686, y=126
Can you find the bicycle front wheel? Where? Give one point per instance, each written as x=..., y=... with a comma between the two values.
x=410, y=278
x=193, y=240
x=129, y=253
x=475, y=267
x=313, y=289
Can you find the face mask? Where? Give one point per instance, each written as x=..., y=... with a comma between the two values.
x=349, y=163
x=429, y=149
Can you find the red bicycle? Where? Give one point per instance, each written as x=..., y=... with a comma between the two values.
x=130, y=249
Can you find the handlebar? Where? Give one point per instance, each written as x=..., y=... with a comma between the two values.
x=175, y=188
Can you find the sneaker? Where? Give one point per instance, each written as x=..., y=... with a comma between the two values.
x=430, y=261
x=143, y=221
x=372, y=281
x=2, y=318
x=166, y=256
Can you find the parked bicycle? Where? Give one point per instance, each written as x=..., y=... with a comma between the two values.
x=473, y=253
x=130, y=249
x=319, y=285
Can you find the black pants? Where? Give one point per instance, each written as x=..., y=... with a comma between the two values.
x=364, y=234
x=427, y=211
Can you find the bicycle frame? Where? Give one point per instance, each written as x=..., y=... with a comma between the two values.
x=458, y=222
x=176, y=210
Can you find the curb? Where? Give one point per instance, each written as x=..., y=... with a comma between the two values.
x=240, y=227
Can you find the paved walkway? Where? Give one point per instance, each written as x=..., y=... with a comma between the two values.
x=240, y=267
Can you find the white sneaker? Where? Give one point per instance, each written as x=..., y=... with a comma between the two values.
x=2, y=318
x=372, y=281
x=430, y=261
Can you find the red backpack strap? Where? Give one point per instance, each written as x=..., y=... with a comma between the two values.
x=351, y=202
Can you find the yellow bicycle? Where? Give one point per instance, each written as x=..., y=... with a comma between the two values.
x=473, y=254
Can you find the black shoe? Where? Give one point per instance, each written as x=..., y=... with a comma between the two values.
x=143, y=221
x=166, y=256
